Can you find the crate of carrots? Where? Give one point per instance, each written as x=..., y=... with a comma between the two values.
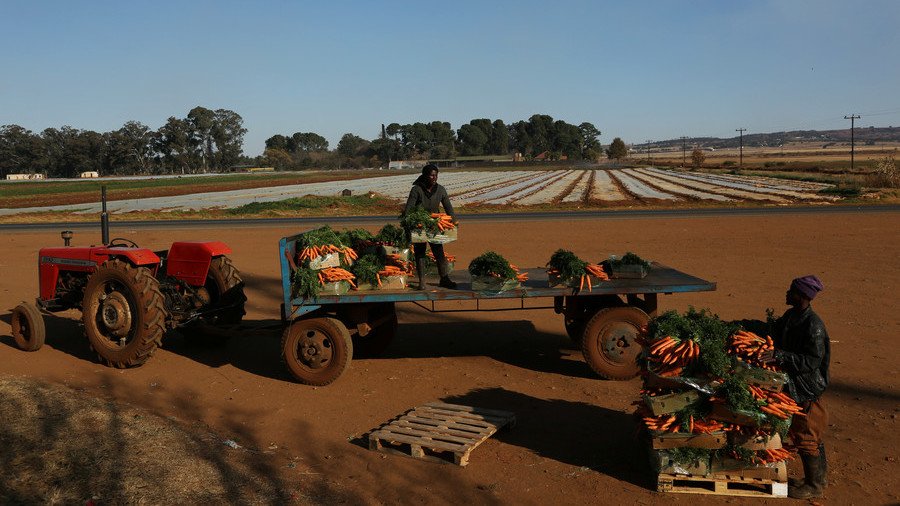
x=425, y=227
x=704, y=362
x=566, y=269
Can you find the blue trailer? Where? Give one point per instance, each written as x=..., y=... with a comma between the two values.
x=322, y=334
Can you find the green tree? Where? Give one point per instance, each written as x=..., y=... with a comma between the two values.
x=177, y=147
x=351, y=145
x=590, y=136
x=20, y=150
x=307, y=142
x=228, y=135
x=129, y=149
x=499, y=141
x=472, y=140
x=277, y=158
x=616, y=149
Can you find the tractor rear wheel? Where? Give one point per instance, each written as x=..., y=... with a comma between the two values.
x=123, y=313
x=225, y=288
x=316, y=350
x=608, y=344
x=28, y=327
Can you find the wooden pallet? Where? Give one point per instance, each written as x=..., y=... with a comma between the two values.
x=440, y=432
x=732, y=485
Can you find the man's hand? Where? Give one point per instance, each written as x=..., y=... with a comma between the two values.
x=767, y=357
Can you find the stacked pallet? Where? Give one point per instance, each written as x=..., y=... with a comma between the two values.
x=712, y=413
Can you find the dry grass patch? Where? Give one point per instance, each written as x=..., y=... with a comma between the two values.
x=59, y=446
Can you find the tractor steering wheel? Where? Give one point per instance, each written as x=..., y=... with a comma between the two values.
x=122, y=242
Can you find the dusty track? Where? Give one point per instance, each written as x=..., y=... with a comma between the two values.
x=573, y=443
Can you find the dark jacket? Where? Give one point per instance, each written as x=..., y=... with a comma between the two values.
x=430, y=201
x=803, y=350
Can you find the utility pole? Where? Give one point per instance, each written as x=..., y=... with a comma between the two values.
x=741, y=162
x=648, y=151
x=852, y=117
x=683, y=150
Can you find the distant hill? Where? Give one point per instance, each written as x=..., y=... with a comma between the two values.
x=864, y=136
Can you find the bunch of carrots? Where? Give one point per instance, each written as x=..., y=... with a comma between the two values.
x=772, y=456
x=672, y=355
x=388, y=271
x=520, y=276
x=335, y=274
x=591, y=270
x=394, y=260
x=444, y=221
x=749, y=347
x=662, y=423
x=318, y=251
x=670, y=423
x=777, y=404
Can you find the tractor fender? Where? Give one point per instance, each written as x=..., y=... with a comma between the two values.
x=139, y=257
x=189, y=261
x=86, y=260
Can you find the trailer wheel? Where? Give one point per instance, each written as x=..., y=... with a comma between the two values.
x=123, y=313
x=28, y=327
x=609, y=345
x=316, y=350
x=379, y=338
x=225, y=288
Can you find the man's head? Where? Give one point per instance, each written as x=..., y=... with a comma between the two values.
x=430, y=174
x=803, y=290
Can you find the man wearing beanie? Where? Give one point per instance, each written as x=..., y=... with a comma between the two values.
x=803, y=351
x=427, y=193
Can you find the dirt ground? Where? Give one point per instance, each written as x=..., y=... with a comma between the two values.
x=574, y=440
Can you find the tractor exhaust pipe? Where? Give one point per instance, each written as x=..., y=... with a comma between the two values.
x=104, y=218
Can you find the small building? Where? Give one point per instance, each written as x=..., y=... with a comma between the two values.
x=20, y=177
x=89, y=173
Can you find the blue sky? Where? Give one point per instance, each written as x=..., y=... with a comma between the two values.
x=637, y=70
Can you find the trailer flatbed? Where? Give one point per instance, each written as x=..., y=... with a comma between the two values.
x=323, y=333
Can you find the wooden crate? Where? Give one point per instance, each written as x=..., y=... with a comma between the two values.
x=419, y=236
x=713, y=441
x=748, y=487
x=665, y=404
x=493, y=284
x=755, y=442
x=440, y=432
x=325, y=261
x=733, y=468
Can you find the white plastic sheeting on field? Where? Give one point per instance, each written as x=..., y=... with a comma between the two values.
x=520, y=187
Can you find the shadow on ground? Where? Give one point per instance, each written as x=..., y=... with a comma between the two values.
x=574, y=433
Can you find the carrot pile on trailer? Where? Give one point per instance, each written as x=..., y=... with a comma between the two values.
x=708, y=409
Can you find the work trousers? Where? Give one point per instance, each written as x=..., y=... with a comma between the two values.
x=419, y=250
x=807, y=432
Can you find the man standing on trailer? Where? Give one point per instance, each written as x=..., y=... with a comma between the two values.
x=427, y=193
x=803, y=351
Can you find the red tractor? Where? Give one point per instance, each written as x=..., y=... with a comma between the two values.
x=130, y=296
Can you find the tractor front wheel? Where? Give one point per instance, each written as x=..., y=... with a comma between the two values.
x=28, y=327
x=316, y=350
x=123, y=313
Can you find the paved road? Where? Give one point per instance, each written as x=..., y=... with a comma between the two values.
x=575, y=215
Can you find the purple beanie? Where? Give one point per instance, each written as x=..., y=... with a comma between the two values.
x=808, y=286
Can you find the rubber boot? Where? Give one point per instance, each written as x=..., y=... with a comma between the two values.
x=444, y=271
x=814, y=477
x=420, y=271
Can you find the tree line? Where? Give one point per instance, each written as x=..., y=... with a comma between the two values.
x=204, y=141
x=437, y=140
x=212, y=141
